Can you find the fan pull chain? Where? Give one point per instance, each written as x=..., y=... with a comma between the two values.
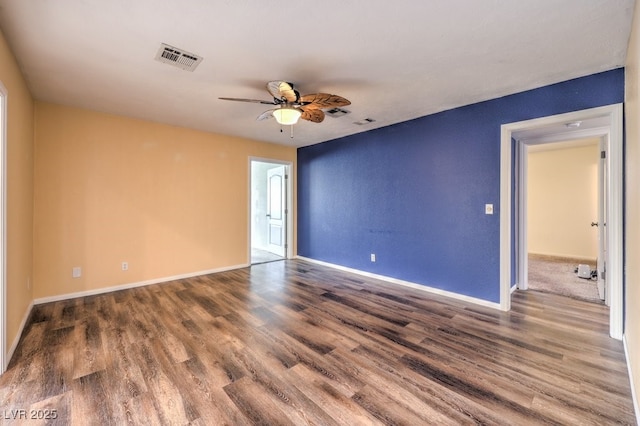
x=282, y=131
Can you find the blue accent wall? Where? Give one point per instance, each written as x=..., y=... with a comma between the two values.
x=414, y=193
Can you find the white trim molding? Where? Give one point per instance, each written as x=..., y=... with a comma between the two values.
x=505, y=219
x=103, y=290
x=16, y=340
x=289, y=203
x=416, y=286
x=612, y=132
x=634, y=396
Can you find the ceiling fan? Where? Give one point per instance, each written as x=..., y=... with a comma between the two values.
x=292, y=106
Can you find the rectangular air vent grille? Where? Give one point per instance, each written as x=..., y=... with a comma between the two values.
x=178, y=57
x=365, y=121
x=336, y=112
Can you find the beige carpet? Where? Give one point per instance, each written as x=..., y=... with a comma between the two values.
x=557, y=275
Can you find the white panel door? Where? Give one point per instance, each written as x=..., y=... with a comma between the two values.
x=276, y=212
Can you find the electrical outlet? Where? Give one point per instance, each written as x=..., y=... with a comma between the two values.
x=76, y=272
x=125, y=266
x=373, y=257
x=488, y=208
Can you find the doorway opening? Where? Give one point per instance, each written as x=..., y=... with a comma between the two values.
x=604, y=123
x=561, y=197
x=269, y=217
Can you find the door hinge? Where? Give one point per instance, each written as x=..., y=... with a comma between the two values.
x=603, y=275
x=603, y=154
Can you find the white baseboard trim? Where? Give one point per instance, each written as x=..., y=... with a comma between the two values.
x=16, y=340
x=103, y=290
x=392, y=280
x=634, y=396
x=569, y=257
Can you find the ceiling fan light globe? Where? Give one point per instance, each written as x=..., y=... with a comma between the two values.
x=287, y=116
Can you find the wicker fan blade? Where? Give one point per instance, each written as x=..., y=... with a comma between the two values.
x=257, y=101
x=323, y=100
x=313, y=114
x=282, y=89
x=266, y=115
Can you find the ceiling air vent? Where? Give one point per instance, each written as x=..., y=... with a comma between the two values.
x=178, y=57
x=336, y=112
x=365, y=121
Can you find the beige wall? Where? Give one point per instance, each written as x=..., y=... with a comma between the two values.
x=562, y=201
x=19, y=174
x=632, y=202
x=108, y=189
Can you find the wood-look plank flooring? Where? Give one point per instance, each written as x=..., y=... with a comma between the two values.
x=297, y=343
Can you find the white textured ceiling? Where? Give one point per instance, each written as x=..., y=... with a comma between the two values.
x=395, y=60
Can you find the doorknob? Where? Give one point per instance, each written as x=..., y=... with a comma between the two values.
x=594, y=223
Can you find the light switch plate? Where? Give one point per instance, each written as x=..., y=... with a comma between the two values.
x=488, y=208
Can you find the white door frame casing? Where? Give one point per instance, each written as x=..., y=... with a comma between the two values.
x=288, y=253
x=614, y=131
x=522, y=155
